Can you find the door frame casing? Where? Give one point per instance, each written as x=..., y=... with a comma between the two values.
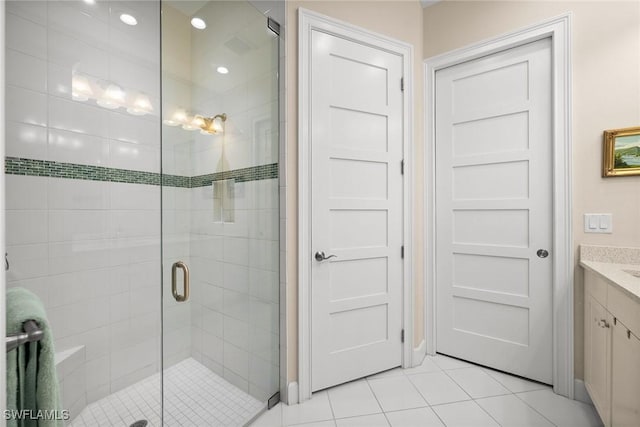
x=309, y=21
x=558, y=29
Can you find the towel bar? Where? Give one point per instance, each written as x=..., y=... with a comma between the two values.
x=32, y=333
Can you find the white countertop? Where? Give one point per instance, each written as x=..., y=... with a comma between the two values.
x=615, y=273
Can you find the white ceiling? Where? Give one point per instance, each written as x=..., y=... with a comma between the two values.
x=188, y=8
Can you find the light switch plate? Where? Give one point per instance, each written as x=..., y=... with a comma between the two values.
x=598, y=223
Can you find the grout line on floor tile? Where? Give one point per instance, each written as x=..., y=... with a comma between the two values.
x=333, y=414
x=487, y=412
x=456, y=383
x=418, y=391
x=377, y=400
x=535, y=410
x=490, y=370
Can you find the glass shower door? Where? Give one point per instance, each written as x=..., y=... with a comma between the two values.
x=220, y=217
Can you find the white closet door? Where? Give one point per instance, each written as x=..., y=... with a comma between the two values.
x=356, y=138
x=494, y=210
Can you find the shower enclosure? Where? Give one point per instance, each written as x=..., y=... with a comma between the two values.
x=143, y=204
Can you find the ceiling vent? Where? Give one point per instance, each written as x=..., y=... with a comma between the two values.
x=238, y=46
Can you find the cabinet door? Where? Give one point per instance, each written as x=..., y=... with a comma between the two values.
x=598, y=356
x=625, y=374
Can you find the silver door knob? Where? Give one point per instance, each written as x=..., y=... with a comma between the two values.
x=320, y=256
x=542, y=253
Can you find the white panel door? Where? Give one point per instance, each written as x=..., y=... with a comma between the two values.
x=356, y=146
x=493, y=211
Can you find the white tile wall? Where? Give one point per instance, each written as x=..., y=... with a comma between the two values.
x=78, y=286
x=239, y=260
x=35, y=11
x=83, y=23
x=236, y=277
x=141, y=76
x=28, y=72
x=77, y=54
x=71, y=370
x=76, y=225
x=28, y=262
x=236, y=332
x=242, y=301
x=88, y=249
x=24, y=140
x=134, y=129
x=26, y=227
x=25, y=35
x=27, y=106
x=74, y=147
x=134, y=197
x=78, y=117
x=59, y=80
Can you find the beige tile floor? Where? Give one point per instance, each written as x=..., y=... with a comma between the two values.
x=441, y=392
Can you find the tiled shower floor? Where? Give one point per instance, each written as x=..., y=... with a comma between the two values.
x=194, y=396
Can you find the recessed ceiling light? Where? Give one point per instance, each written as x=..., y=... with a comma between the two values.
x=198, y=23
x=90, y=1
x=222, y=70
x=128, y=19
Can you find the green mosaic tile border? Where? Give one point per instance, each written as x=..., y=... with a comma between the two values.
x=32, y=167
x=254, y=173
x=176, y=181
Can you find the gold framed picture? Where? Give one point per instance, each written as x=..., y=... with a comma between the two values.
x=621, y=156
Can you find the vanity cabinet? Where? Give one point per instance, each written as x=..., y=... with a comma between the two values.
x=625, y=377
x=597, y=373
x=612, y=353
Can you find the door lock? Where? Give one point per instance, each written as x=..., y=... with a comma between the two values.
x=542, y=253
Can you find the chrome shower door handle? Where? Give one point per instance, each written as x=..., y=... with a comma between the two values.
x=174, y=285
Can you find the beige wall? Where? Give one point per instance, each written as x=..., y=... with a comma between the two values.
x=606, y=95
x=401, y=20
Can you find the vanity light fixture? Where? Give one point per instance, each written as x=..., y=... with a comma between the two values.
x=128, y=19
x=80, y=88
x=213, y=125
x=177, y=118
x=141, y=105
x=194, y=124
x=206, y=125
x=198, y=23
x=112, y=98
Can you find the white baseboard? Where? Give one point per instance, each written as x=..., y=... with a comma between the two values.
x=580, y=392
x=292, y=393
x=418, y=354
